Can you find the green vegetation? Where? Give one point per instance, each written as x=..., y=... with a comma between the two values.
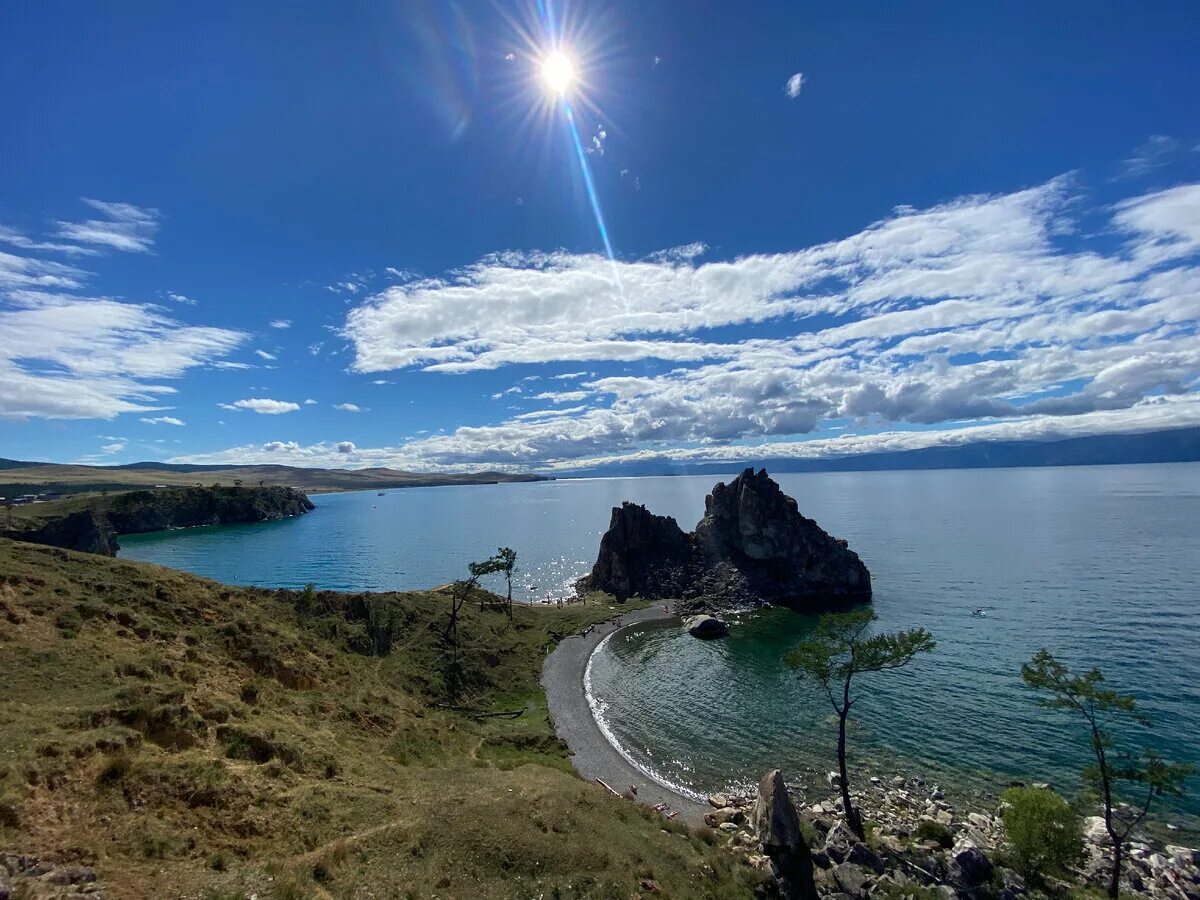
x=1148, y=774
x=1042, y=831
x=203, y=740
x=934, y=832
x=840, y=648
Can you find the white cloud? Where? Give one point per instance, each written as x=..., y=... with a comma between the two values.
x=980, y=310
x=180, y=298
x=795, y=85
x=346, y=447
x=281, y=323
x=162, y=420
x=1156, y=151
x=112, y=448
x=262, y=406
x=124, y=227
x=310, y=402
x=264, y=354
x=349, y=407
x=22, y=241
x=66, y=357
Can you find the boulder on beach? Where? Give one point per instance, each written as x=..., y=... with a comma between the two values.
x=705, y=627
x=751, y=547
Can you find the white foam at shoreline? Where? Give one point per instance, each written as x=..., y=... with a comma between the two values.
x=598, y=707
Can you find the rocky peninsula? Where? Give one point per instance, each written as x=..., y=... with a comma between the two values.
x=92, y=525
x=752, y=547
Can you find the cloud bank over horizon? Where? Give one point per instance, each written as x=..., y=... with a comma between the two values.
x=1030, y=314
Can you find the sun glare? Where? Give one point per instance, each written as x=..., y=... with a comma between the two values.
x=558, y=72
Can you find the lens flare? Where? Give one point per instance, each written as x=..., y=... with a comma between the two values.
x=558, y=72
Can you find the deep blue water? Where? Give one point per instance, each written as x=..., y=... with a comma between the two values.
x=1098, y=564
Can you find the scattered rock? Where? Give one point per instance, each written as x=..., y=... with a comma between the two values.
x=838, y=842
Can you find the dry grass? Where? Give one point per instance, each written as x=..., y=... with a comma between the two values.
x=195, y=739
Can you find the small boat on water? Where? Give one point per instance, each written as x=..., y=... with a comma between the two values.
x=381, y=494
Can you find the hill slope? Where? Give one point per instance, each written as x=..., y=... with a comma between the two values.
x=191, y=739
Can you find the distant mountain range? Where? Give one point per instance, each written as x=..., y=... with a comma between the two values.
x=1177, y=445
x=18, y=477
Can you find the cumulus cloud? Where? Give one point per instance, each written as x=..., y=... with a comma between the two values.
x=162, y=420
x=123, y=227
x=345, y=447
x=794, y=85
x=262, y=405
x=113, y=448
x=349, y=407
x=310, y=402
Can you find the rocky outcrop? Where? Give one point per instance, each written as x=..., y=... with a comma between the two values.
x=87, y=531
x=136, y=512
x=751, y=547
x=140, y=511
x=777, y=826
x=641, y=554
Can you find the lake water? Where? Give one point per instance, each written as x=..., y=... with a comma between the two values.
x=1099, y=564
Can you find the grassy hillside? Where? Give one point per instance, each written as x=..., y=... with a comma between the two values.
x=192, y=739
x=19, y=478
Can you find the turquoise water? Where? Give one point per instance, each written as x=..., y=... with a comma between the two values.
x=1098, y=564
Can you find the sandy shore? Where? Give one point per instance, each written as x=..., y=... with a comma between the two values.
x=593, y=756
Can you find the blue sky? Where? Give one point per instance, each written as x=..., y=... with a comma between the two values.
x=363, y=234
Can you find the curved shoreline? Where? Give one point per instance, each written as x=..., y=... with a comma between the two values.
x=592, y=753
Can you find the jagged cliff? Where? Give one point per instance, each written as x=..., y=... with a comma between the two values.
x=95, y=528
x=752, y=546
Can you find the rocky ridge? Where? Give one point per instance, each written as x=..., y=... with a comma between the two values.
x=751, y=547
x=95, y=529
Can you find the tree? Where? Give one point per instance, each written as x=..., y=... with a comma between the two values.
x=506, y=562
x=1041, y=829
x=840, y=648
x=1103, y=709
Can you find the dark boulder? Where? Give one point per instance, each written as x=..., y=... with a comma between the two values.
x=705, y=627
x=751, y=547
x=969, y=867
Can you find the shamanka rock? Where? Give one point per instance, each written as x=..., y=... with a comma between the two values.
x=751, y=547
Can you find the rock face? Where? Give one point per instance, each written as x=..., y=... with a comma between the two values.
x=751, y=547
x=135, y=512
x=87, y=531
x=641, y=553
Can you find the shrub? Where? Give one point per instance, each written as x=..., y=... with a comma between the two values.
x=936, y=832
x=1041, y=829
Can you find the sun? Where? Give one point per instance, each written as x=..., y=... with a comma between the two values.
x=558, y=72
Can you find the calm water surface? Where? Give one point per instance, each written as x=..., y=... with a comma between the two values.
x=1099, y=564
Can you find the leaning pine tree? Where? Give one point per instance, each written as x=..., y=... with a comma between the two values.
x=1148, y=776
x=840, y=648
